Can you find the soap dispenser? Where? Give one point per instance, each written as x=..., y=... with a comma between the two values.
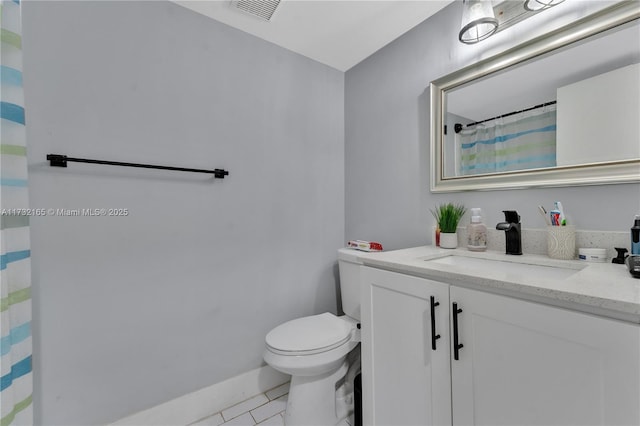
x=633, y=261
x=635, y=236
x=476, y=232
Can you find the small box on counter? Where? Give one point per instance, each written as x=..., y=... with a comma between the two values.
x=364, y=245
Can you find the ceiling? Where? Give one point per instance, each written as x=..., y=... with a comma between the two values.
x=337, y=33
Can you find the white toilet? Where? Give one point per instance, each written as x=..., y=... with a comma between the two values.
x=318, y=352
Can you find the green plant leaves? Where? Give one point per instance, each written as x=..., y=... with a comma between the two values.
x=448, y=216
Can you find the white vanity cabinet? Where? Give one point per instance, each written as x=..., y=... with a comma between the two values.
x=524, y=363
x=517, y=362
x=404, y=380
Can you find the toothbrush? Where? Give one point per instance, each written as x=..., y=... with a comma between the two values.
x=563, y=220
x=544, y=214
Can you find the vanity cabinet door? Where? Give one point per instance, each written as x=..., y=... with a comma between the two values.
x=404, y=380
x=523, y=363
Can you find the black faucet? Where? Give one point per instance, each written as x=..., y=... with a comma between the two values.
x=511, y=226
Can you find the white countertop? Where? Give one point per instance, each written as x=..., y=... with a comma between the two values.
x=605, y=289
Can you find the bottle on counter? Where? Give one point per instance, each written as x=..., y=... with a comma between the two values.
x=476, y=232
x=635, y=237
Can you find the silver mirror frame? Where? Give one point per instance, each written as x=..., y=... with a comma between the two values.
x=587, y=174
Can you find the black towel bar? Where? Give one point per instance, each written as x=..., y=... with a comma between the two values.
x=57, y=160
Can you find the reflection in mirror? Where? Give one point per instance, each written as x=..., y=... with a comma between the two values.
x=575, y=107
x=580, y=105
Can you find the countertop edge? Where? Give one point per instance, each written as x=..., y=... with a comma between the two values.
x=404, y=261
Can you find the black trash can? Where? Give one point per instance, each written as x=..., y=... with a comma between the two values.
x=357, y=395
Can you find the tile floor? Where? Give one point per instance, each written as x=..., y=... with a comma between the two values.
x=265, y=409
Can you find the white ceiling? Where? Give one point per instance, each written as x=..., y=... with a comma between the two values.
x=338, y=33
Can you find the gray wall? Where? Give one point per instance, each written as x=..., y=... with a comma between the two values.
x=387, y=138
x=132, y=311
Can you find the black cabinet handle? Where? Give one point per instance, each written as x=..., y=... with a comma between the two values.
x=434, y=336
x=456, y=346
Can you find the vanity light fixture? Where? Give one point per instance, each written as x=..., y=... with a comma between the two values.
x=478, y=21
x=483, y=18
x=534, y=5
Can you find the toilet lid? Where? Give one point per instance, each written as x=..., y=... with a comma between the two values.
x=316, y=333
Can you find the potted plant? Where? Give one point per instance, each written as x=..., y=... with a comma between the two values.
x=447, y=217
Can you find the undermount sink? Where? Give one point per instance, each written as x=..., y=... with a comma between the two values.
x=476, y=266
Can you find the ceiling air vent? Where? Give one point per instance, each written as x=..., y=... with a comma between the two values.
x=263, y=9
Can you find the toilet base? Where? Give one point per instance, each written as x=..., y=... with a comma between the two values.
x=312, y=400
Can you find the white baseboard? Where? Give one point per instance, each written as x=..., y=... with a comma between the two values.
x=194, y=406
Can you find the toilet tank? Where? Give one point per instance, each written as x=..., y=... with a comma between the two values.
x=349, y=268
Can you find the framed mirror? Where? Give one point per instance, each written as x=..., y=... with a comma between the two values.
x=559, y=110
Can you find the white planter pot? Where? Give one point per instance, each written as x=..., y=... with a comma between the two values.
x=449, y=240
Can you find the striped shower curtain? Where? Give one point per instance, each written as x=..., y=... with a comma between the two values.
x=15, y=267
x=525, y=140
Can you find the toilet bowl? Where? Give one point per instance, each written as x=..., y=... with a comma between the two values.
x=321, y=353
x=316, y=359
x=311, y=346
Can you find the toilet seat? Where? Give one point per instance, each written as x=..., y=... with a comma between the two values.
x=309, y=335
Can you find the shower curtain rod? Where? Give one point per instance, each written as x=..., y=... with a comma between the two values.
x=458, y=127
x=57, y=160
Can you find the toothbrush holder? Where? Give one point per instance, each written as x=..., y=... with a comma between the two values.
x=561, y=242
